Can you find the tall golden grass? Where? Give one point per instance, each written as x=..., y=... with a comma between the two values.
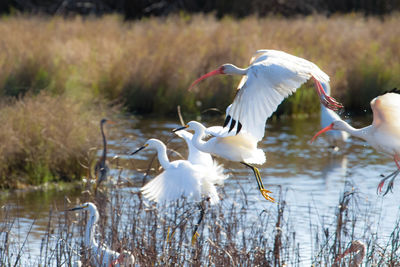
x=45, y=138
x=150, y=63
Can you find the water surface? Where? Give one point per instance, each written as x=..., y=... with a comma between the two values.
x=312, y=177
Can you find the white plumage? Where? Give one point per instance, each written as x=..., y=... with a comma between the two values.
x=241, y=147
x=384, y=132
x=271, y=77
x=100, y=254
x=197, y=157
x=335, y=138
x=179, y=178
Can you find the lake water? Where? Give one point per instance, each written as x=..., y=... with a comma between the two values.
x=312, y=177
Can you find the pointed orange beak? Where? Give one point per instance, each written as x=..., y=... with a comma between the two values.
x=211, y=73
x=328, y=128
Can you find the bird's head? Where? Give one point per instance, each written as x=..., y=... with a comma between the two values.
x=89, y=206
x=85, y=206
x=107, y=121
x=151, y=143
x=336, y=125
x=191, y=125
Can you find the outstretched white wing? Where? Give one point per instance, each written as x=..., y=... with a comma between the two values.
x=181, y=179
x=273, y=76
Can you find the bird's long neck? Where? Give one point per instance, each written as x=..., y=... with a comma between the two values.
x=197, y=139
x=360, y=133
x=162, y=155
x=90, y=227
x=235, y=70
x=104, y=141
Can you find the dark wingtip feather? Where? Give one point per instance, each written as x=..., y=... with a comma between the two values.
x=232, y=125
x=228, y=118
x=239, y=127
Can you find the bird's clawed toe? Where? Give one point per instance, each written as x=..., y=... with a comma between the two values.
x=265, y=193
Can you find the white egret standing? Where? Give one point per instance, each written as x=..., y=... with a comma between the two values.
x=101, y=168
x=179, y=178
x=384, y=132
x=335, y=138
x=101, y=255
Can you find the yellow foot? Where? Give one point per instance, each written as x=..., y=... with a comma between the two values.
x=194, y=238
x=265, y=192
x=168, y=237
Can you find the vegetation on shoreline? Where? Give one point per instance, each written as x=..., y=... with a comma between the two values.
x=149, y=64
x=46, y=138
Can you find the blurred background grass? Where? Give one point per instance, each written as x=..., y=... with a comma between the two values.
x=70, y=65
x=149, y=64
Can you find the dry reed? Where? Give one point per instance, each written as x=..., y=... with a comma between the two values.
x=46, y=138
x=231, y=234
x=148, y=64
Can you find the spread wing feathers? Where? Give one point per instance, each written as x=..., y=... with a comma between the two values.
x=273, y=76
x=208, y=188
x=175, y=182
x=386, y=109
x=195, y=156
x=215, y=174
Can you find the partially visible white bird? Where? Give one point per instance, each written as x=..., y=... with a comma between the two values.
x=335, y=138
x=197, y=157
x=271, y=77
x=241, y=147
x=100, y=254
x=384, y=132
x=179, y=178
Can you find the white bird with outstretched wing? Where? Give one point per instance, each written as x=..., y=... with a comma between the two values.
x=271, y=77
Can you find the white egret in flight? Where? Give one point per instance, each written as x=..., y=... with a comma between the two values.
x=241, y=147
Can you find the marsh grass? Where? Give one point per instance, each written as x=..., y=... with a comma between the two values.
x=46, y=138
x=148, y=64
x=231, y=234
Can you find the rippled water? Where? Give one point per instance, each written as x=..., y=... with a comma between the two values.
x=312, y=178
